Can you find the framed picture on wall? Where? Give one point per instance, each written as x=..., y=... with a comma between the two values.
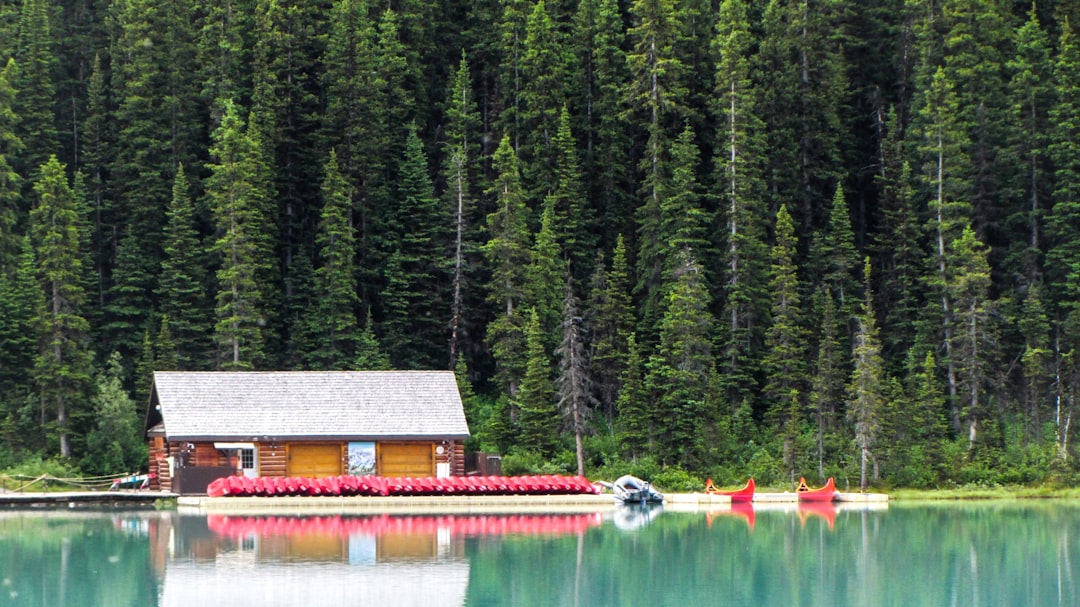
x=361, y=459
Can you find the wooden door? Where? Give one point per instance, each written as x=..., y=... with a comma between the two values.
x=314, y=460
x=406, y=459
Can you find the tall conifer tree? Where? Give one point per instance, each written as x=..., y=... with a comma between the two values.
x=62, y=368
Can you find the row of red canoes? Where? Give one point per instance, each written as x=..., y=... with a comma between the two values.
x=472, y=525
x=348, y=486
x=827, y=493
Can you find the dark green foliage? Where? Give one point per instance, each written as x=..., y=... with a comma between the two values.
x=238, y=200
x=416, y=313
x=35, y=97
x=181, y=289
x=114, y=445
x=331, y=324
x=538, y=416
x=247, y=181
x=11, y=207
x=680, y=374
x=62, y=367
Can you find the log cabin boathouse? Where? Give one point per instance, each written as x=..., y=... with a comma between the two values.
x=205, y=425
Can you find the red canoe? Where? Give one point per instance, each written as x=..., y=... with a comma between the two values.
x=738, y=496
x=827, y=493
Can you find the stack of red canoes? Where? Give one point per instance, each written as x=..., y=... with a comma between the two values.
x=522, y=524
x=348, y=486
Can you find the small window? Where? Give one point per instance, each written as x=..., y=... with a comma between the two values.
x=247, y=459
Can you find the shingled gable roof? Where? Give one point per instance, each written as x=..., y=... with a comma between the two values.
x=332, y=405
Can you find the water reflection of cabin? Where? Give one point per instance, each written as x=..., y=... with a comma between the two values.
x=204, y=425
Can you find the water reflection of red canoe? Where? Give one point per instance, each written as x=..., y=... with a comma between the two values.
x=746, y=494
x=337, y=525
x=348, y=486
x=827, y=493
x=743, y=510
x=820, y=509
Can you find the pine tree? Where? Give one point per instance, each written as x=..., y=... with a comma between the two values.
x=1031, y=90
x=61, y=369
x=223, y=58
x=20, y=298
x=11, y=206
x=573, y=382
x=610, y=322
x=866, y=391
x=975, y=337
x=507, y=254
x=633, y=427
x=685, y=225
x=607, y=170
x=542, y=277
x=656, y=98
x=370, y=355
x=237, y=200
x=1036, y=361
x=414, y=327
x=285, y=97
x=181, y=289
x=544, y=65
x=682, y=371
x=332, y=319
x=538, y=415
x=573, y=221
x=837, y=260
x=460, y=172
x=827, y=382
x=784, y=358
x=510, y=30
x=1063, y=222
x=35, y=96
x=740, y=151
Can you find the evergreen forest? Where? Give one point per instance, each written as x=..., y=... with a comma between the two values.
x=681, y=239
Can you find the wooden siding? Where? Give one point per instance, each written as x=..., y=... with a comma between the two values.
x=272, y=459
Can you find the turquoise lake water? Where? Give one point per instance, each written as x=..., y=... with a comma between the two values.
x=972, y=554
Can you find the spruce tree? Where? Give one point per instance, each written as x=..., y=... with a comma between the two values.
x=331, y=320
x=507, y=254
x=866, y=390
x=544, y=81
x=460, y=174
x=610, y=322
x=1031, y=94
x=181, y=291
x=62, y=367
x=739, y=159
x=573, y=221
x=633, y=426
x=542, y=281
x=237, y=199
x=784, y=359
x=538, y=415
x=414, y=327
x=605, y=134
x=11, y=207
x=35, y=88
x=20, y=300
x=975, y=336
x=682, y=372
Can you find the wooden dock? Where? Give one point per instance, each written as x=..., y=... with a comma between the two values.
x=78, y=499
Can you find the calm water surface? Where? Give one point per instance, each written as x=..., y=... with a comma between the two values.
x=986, y=554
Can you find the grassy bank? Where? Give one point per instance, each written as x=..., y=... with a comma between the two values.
x=984, y=493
